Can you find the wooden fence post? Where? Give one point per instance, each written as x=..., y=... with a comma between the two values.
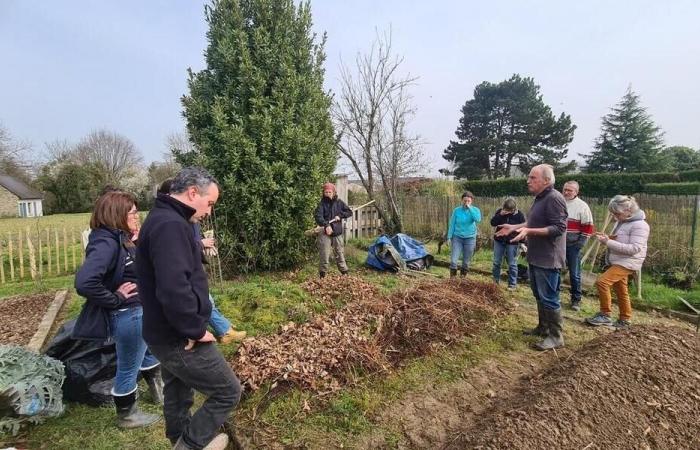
x=20, y=254
x=9, y=251
x=72, y=246
x=41, y=260
x=65, y=249
x=58, y=252
x=48, y=252
x=2, y=266
x=32, y=256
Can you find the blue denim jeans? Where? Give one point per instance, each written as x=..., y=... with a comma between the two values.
x=545, y=285
x=218, y=322
x=573, y=262
x=132, y=353
x=463, y=247
x=511, y=253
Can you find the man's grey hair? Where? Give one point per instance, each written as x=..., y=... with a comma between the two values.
x=623, y=204
x=574, y=184
x=547, y=172
x=192, y=176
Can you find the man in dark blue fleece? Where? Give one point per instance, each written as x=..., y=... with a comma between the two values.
x=176, y=308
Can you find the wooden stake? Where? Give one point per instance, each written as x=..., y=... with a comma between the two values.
x=48, y=252
x=32, y=256
x=65, y=249
x=20, y=254
x=72, y=246
x=9, y=250
x=2, y=266
x=58, y=251
x=41, y=259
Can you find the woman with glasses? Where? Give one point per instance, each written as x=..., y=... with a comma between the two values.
x=112, y=310
x=626, y=251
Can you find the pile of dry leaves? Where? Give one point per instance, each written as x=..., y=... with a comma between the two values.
x=338, y=290
x=370, y=333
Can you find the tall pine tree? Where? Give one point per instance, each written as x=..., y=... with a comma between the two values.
x=508, y=125
x=258, y=117
x=630, y=141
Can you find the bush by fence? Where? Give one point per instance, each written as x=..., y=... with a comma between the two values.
x=594, y=185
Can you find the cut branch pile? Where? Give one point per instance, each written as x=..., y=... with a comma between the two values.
x=371, y=334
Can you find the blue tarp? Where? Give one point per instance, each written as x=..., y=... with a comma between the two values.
x=383, y=254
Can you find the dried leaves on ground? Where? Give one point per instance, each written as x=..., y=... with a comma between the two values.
x=370, y=333
x=20, y=317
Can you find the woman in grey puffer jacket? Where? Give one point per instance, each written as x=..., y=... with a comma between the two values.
x=627, y=249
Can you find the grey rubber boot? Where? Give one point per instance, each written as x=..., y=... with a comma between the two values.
x=553, y=320
x=129, y=415
x=154, y=379
x=540, y=330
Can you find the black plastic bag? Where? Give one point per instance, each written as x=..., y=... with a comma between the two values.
x=90, y=367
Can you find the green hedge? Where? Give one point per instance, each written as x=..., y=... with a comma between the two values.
x=673, y=188
x=592, y=185
x=691, y=175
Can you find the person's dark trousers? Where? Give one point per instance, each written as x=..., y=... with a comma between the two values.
x=573, y=263
x=204, y=369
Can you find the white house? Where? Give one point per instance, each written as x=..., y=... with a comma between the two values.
x=19, y=200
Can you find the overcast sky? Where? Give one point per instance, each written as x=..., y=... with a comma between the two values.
x=68, y=67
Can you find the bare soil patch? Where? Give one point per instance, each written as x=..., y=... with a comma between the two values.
x=370, y=333
x=20, y=317
x=631, y=389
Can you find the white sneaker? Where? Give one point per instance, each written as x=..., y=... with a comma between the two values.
x=220, y=442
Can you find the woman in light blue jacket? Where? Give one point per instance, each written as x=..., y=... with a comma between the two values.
x=461, y=234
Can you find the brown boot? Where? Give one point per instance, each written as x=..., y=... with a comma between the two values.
x=232, y=335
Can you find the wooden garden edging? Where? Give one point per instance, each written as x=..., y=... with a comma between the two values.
x=47, y=321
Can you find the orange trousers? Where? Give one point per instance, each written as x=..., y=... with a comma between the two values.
x=615, y=277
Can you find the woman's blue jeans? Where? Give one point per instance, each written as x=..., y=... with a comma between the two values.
x=218, y=322
x=511, y=253
x=132, y=352
x=463, y=247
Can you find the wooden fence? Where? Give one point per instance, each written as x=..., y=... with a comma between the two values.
x=674, y=222
x=364, y=222
x=33, y=253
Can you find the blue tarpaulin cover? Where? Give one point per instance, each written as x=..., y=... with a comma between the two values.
x=383, y=254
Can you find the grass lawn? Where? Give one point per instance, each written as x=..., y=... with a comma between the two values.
x=261, y=303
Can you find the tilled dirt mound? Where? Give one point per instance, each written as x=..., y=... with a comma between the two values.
x=371, y=333
x=638, y=389
x=20, y=317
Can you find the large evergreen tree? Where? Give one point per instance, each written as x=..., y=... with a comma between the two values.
x=259, y=121
x=630, y=141
x=508, y=125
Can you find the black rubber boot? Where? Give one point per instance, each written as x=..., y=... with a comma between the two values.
x=553, y=320
x=540, y=330
x=343, y=272
x=462, y=273
x=154, y=380
x=129, y=415
x=322, y=274
x=453, y=273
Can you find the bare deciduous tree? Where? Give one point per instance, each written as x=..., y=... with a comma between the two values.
x=371, y=116
x=13, y=157
x=115, y=155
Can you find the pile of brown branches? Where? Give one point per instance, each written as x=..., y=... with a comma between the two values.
x=371, y=334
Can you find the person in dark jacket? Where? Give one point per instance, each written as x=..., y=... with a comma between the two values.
x=224, y=332
x=107, y=280
x=329, y=215
x=502, y=245
x=545, y=231
x=176, y=309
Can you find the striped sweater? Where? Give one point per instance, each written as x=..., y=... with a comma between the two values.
x=579, y=224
